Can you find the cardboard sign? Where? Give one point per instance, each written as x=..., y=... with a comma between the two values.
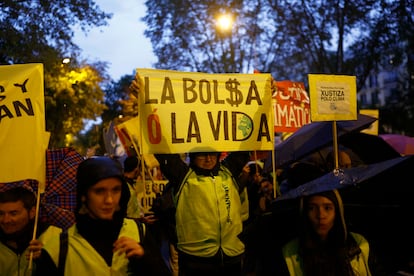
x=333, y=97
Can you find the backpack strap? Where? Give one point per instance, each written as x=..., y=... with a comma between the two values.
x=63, y=251
x=141, y=230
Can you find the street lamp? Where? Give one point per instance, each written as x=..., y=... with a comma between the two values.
x=65, y=60
x=225, y=24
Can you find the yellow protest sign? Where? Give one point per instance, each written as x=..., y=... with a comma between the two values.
x=147, y=196
x=332, y=97
x=189, y=111
x=23, y=136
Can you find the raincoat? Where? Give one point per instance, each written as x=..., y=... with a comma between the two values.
x=13, y=263
x=83, y=259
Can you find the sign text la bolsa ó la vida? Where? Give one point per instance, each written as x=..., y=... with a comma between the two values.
x=236, y=125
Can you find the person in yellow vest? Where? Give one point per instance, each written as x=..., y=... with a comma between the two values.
x=103, y=241
x=210, y=209
x=324, y=245
x=17, y=221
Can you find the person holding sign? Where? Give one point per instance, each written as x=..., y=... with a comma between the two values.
x=210, y=210
x=17, y=223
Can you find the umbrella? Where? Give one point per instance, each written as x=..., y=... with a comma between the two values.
x=369, y=148
x=311, y=137
x=59, y=200
x=343, y=178
x=362, y=148
x=401, y=143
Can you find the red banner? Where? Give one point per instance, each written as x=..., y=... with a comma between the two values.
x=291, y=105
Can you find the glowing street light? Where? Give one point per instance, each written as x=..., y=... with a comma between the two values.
x=225, y=22
x=66, y=60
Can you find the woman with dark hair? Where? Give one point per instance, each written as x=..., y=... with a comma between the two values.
x=324, y=246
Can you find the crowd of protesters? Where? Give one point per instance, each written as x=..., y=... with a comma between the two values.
x=214, y=223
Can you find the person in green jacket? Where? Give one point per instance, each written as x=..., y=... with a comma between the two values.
x=17, y=223
x=324, y=245
x=103, y=241
x=210, y=209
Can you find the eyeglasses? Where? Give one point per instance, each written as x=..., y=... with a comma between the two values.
x=206, y=154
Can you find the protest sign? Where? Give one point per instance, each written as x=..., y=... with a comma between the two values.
x=113, y=145
x=291, y=106
x=332, y=97
x=23, y=136
x=188, y=111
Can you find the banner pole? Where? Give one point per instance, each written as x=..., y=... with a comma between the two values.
x=335, y=144
x=35, y=225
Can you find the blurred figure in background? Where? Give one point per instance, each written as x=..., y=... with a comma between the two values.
x=344, y=160
x=131, y=173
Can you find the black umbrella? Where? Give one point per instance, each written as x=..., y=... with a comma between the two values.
x=314, y=136
x=369, y=148
x=362, y=148
x=343, y=178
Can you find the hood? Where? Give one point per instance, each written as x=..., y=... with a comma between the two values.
x=339, y=229
x=94, y=169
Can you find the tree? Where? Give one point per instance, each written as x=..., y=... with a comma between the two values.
x=400, y=51
x=72, y=97
x=288, y=38
x=41, y=31
x=191, y=27
x=121, y=104
x=30, y=29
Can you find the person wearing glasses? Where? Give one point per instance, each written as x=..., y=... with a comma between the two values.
x=210, y=209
